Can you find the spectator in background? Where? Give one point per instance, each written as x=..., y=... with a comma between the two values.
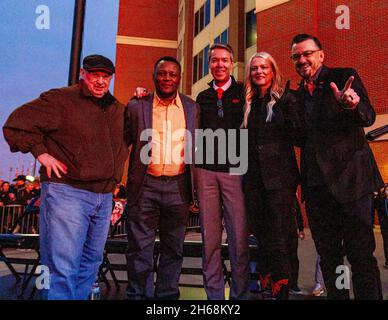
x=37, y=186
x=25, y=194
x=319, y=288
x=119, y=192
x=381, y=206
x=18, y=185
x=5, y=194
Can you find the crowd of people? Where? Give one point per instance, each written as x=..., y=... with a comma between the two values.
x=83, y=161
x=20, y=191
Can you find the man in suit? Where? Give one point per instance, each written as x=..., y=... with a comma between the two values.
x=160, y=129
x=220, y=193
x=339, y=172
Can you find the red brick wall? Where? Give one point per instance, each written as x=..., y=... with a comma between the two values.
x=148, y=18
x=143, y=19
x=363, y=46
x=134, y=66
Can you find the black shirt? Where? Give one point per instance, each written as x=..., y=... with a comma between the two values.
x=313, y=175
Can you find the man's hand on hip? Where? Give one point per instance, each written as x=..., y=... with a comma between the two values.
x=52, y=164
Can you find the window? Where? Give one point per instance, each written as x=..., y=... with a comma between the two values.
x=200, y=64
x=220, y=5
x=196, y=27
x=206, y=61
x=223, y=37
x=195, y=69
x=207, y=12
x=202, y=18
x=250, y=29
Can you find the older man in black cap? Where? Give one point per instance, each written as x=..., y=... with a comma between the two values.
x=76, y=133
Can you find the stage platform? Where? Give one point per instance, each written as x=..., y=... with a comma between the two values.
x=191, y=288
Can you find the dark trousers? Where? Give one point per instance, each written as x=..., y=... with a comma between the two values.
x=344, y=229
x=290, y=230
x=268, y=212
x=383, y=219
x=162, y=206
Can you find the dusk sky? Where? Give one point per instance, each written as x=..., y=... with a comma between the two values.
x=34, y=60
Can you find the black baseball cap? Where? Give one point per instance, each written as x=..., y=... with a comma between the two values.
x=96, y=62
x=20, y=177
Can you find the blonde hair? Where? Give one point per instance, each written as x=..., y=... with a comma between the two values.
x=251, y=89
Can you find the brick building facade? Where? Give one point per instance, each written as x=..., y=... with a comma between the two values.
x=149, y=29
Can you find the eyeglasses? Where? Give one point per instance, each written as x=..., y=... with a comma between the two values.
x=306, y=54
x=220, y=111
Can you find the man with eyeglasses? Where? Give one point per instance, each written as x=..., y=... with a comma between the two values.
x=339, y=172
x=76, y=133
x=160, y=130
x=220, y=194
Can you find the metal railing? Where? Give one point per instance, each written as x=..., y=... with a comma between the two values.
x=193, y=221
x=15, y=219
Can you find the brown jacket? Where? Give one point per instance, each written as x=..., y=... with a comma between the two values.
x=83, y=132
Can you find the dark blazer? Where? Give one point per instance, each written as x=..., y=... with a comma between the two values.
x=272, y=156
x=342, y=151
x=233, y=104
x=139, y=118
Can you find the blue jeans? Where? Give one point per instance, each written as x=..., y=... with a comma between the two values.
x=74, y=225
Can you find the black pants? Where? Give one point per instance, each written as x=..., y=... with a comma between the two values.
x=383, y=219
x=290, y=230
x=268, y=212
x=344, y=229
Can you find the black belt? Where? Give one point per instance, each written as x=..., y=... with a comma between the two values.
x=167, y=178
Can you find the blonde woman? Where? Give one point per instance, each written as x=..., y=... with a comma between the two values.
x=272, y=176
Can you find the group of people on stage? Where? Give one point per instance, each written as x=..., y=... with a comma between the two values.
x=81, y=134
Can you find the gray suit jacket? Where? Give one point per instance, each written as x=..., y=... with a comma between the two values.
x=138, y=118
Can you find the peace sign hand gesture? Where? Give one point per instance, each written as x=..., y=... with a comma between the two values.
x=347, y=96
